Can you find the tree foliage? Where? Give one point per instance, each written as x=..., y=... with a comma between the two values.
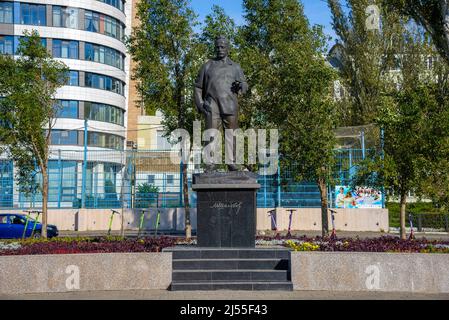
x=367, y=55
x=410, y=103
x=27, y=111
x=218, y=23
x=291, y=87
x=168, y=57
x=164, y=47
x=433, y=15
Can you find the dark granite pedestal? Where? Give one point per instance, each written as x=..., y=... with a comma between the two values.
x=226, y=209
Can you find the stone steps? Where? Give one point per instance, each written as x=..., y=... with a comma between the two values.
x=230, y=275
x=227, y=253
x=230, y=264
x=230, y=269
x=226, y=285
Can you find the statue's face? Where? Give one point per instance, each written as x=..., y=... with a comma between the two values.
x=221, y=49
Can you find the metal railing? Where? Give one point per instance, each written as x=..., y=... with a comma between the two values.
x=429, y=221
x=142, y=179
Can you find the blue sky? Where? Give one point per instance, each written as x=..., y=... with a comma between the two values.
x=316, y=11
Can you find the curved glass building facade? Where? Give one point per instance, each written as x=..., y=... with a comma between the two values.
x=88, y=36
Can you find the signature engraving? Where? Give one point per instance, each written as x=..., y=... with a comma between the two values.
x=225, y=205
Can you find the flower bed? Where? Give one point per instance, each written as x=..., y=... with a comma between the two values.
x=84, y=245
x=382, y=244
x=116, y=244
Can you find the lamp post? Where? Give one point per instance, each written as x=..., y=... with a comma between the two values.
x=83, y=185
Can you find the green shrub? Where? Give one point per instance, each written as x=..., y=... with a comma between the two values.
x=146, y=196
x=415, y=208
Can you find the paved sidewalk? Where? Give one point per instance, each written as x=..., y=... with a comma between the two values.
x=227, y=295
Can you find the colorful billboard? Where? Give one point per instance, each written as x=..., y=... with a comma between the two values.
x=358, y=197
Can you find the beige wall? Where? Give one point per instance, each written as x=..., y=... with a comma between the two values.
x=310, y=219
x=147, y=134
x=64, y=219
x=304, y=219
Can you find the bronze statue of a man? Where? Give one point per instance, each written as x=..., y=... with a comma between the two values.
x=217, y=86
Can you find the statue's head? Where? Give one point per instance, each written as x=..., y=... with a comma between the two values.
x=221, y=47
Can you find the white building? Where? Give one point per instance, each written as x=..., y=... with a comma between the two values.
x=88, y=36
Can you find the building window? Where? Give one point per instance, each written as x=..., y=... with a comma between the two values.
x=65, y=49
x=170, y=179
x=63, y=137
x=151, y=179
x=97, y=81
x=110, y=27
x=104, y=140
x=33, y=14
x=65, y=17
x=104, y=112
x=73, y=78
x=110, y=181
x=92, y=21
x=104, y=24
x=6, y=12
x=6, y=183
x=119, y=4
x=62, y=180
x=67, y=109
x=57, y=16
x=6, y=45
x=104, y=55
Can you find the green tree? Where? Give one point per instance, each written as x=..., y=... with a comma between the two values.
x=433, y=15
x=435, y=184
x=27, y=111
x=218, y=23
x=168, y=57
x=146, y=195
x=367, y=54
x=415, y=120
x=384, y=70
x=291, y=88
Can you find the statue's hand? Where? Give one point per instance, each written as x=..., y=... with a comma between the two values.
x=236, y=87
x=205, y=108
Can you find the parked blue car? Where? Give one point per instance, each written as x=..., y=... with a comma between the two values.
x=13, y=225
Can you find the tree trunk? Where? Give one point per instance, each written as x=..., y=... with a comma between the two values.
x=324, y=210
x=402, y=215
x=185, y=186
x=44, y=202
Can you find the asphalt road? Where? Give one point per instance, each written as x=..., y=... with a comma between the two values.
x=226, y=295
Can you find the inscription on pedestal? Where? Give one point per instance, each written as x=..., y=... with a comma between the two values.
x=226, y=213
